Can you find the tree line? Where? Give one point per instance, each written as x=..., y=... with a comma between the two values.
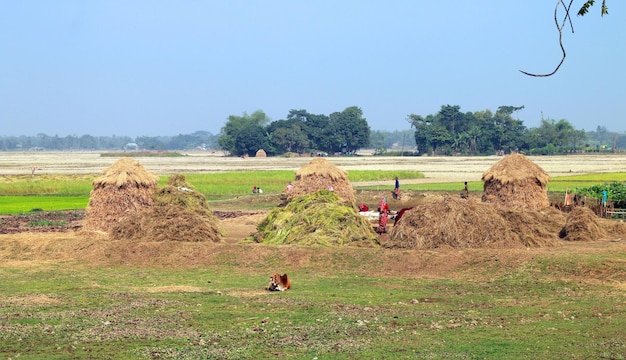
x=447, y=132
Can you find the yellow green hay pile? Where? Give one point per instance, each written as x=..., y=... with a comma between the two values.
x=516, y=182
x=179, y=213
x=320, y=174
x=321, y=218
x=125, y=188
x=453, y=222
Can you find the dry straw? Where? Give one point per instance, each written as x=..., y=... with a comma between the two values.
x=451, y=222
x=321, y=174
x=516, y=182
x=583, y=225
x=179, y=213
x=125, y=188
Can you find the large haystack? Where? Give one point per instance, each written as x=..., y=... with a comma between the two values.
x=260, y=153
x=179, y=213
x=125, y=188
x=517, y=183
x=453, y=222
x=321, y=174
x=321, y=218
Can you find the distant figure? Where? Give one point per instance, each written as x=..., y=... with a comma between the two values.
x=254, y=190
x=32, y=171
x=605, y=197
x=259, y=190
x=396, y=189
x=331, y=188
x=568, y=197
x=289, y=187
x=465, y=193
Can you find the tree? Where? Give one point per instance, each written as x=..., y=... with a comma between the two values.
x=352, y=130
x=584, y=9
x=289, y=139
x=244, y=134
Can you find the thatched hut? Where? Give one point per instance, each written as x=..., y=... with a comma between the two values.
x=321, y=174
x=179, y=213
x=260, y=153
x=516, y=182
x=452, y=222
x=124, y=188
x=321, y=219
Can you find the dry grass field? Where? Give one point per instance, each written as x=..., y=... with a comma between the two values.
x=436, y=169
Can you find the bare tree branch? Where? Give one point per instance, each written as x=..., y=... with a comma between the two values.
x=559, y=27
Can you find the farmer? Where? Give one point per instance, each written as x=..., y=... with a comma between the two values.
x=605, y=197
x=289, y=187
x=396, y=189
x=465, y=193
x=383, y=218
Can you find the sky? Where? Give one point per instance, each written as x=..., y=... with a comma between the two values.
x=163, y=68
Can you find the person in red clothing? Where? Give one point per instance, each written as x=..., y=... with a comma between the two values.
x=383, y=218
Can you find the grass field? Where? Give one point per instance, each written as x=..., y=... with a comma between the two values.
x=64, y=192
x=550, y=306
x=74, y=295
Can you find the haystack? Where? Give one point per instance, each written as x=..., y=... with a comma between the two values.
x=179, y=213
x=582, y=225
x=321, y=218
x=125, y=188
x=516, y=182
x=260, y=153
x=321, y=174
x=452, y=222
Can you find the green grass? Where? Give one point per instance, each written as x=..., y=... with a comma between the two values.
x=62, y=192
x=23, y=204
x=219, y=311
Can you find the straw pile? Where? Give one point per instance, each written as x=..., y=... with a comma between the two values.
x=582, y=225
x=260, y=153
x=321, y=218
x=125, y=188
x=453, y=222
x=321, y=174
x=179, y=213
x=516, y=182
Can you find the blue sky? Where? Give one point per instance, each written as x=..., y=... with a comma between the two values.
x=174, y=67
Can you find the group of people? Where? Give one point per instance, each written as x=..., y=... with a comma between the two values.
x=257, y=190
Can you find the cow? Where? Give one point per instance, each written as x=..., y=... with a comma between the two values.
x=279, y=282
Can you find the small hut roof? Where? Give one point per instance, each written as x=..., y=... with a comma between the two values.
x=516, y=167
x=126, y=172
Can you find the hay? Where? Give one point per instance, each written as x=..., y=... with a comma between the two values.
x=179, y=213
x=125, y=188
x=516, y=182
x=167, y=223
x=321, y=174
x=321, y=218
x=260, y=153
x=582, y=225
x=466, y=223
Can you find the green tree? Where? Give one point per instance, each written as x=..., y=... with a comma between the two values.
x=349, y=130
x=244, y=134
